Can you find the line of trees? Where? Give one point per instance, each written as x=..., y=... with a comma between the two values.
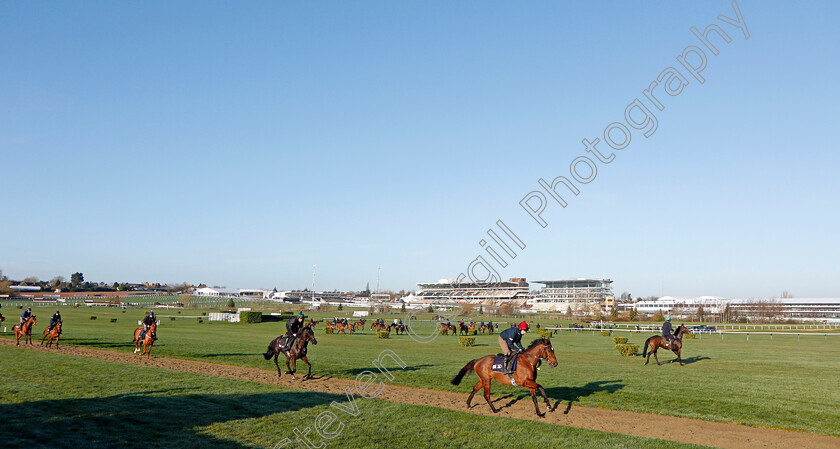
x=77, y=283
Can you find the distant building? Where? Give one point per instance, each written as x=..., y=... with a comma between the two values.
x=752, y=308
x=578, y=294
x=679, y=305
x=25, y=288
x=208, y=291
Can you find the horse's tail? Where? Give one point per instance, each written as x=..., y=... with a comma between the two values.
x=466, y=369
x=270, y=353
x=644, y=351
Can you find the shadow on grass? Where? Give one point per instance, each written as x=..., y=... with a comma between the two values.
x=226, y=354
x=140, y=420
x=573, y=394
x=564, y=394
x=695, y=358
x=357, y=371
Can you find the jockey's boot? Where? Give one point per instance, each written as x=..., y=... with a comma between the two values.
x=508, y=361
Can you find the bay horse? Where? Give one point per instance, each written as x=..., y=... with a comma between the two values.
x=658, y=341
x=53, y=334
x=146, y=342
x=297, y=352
x=449, y=328
x=524, y=376
x=25, y=330
x=399, y=328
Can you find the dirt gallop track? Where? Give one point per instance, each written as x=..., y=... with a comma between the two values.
x=642, y=424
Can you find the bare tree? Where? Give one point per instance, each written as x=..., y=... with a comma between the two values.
x=786, y=294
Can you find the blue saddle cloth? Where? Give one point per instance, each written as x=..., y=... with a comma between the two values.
x=499, y=363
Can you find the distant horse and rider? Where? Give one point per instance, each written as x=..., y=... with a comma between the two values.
x=666, y=341
x=294, y=351
x=143, y=340
x=52, y=334
x=25, y=330
x=447, y=328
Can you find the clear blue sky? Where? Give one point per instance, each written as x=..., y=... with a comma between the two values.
x=239, y=144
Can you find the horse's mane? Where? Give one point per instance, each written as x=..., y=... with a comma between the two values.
x=538, y=341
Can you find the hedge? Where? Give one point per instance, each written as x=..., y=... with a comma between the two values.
x=606, y=333
x=113, y=320
x=466, y=341
x=250, y=317
x=472, y=332
x=619, y=340
x=544, y=333
x=93, y=317
x=383, y=334
x=284, y=316
x=627, y=350
x=200, y=321
x=690, y=336
x=172, y=318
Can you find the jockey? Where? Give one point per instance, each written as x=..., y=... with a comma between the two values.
x=54, y=320
x=510, y=340
x=148, y=320
x=293, y=326
x=667, y=331
x=25, y=316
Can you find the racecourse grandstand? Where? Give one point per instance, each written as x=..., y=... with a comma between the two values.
x=574, y=294
x=515, y=291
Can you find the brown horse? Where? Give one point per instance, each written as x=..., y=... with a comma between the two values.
x=658, y=341
x=524, y=376
x=146, y=342
x=53, y=334
x=311, y=323
x=297, y=351
x=25, y=330
x=449, y=328
x=340, y=327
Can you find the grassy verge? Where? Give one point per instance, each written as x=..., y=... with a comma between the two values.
x=53, y=400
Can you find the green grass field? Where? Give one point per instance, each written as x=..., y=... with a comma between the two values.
x=783, y=383
x=54, y=400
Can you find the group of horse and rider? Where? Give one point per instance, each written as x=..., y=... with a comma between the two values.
x=27, y=323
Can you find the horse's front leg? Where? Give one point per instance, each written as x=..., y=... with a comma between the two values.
x=487, y=396
x=545, y=396
x=309, y=372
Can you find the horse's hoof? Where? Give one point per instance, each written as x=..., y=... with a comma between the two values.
x=541, y=415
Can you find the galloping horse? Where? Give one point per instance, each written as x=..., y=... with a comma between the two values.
x=524, y=376
x=146, y=342
x=25, y=329
x=53, y=334
x=658, y=341
x=311, y=323
x=297, y=351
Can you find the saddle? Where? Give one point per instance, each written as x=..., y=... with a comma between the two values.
x=499, y=363
x=286, y=343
